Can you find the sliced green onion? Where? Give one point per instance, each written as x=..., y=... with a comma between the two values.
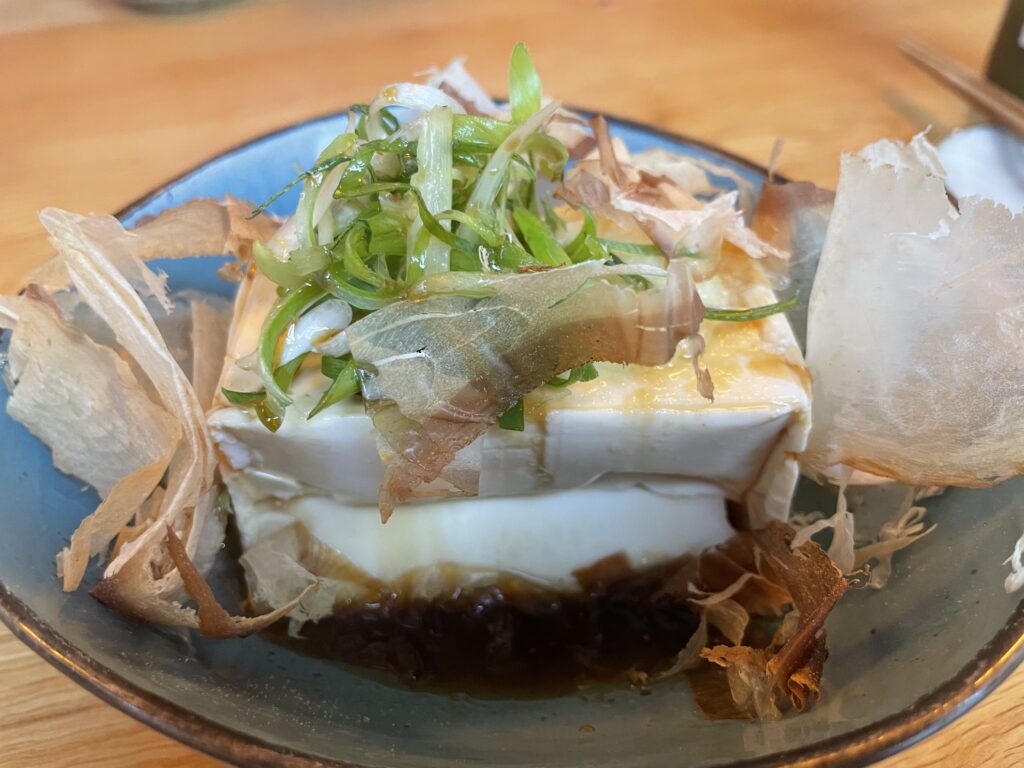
x=319, y=168
x=436, y=229
x=235, y=397
x=388, y=233
x=577, y=248
x=388, y=120
x=472, y=134
x=521, y=167
x=341, y=145
x=284, y=376
x=280, y=272
x=359, y=171
x=433, y=184
x=354, y=249
x=462, y=261
x=553, y=220
x=484, y=229
x=541, y=240
x=293, y=272
x=636, y=249
x=548, y=153
x=361, y=111
x=514, y=418
x=469, y=159
x=524, y=91
x=371, y=188
x=270, y=419
x=512, y=256
x=592, y=250
x=754, y=313
x=284, y=312
x=309, y=259
x=468, y=284
x=338, y=283
x=493, y=178
x=331, y=366
x=414, y=96
x=345, y=384
x=583, y=373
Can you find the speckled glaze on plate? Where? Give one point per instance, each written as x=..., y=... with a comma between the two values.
x=904, y=661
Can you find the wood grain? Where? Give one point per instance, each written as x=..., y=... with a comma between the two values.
x=91, y=116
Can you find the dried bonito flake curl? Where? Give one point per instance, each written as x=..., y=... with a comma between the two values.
x=761, y=573
x=915, y=334
x=94, y=378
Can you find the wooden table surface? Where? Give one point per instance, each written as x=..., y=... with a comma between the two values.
x=100, y=106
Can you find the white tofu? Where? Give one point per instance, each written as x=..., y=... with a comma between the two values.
x=543, y=538
x=634, y=461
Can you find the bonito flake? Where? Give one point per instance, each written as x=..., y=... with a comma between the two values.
x=439, y=372
x=916, y=327
x=79, y=397
x=119, y=412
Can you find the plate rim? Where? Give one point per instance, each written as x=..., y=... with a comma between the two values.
x=993, y=663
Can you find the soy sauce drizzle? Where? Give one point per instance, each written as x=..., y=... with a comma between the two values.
x=513, y=638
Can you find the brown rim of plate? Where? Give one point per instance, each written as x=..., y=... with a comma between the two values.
x=993, y=663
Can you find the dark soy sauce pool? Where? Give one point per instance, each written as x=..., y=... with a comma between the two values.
x=513, y=639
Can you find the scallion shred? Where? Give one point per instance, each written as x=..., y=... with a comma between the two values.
x=524, y=91
x=514, y=418
x=754, y=313
x=636, y=249
x=438, y=203
x=242, y=398
x=281, y=316
x=583, y=373
x=345, y=384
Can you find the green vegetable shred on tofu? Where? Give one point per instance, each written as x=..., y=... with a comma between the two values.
x=514, y=418
x=417, y=199
x=754, y=313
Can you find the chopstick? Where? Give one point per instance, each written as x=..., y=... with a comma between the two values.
x=1001, y=105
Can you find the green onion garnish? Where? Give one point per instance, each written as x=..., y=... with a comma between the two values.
x=318, y=169
x=281, y=316
x=283, y=377
x=444, y=204
x=524, y=91
x=331, y=366
x=242, y=398
x=345, y=384
x=584, y=373
x=514, y=418
x=540, y=239
x=754, y=313
x=636, y=249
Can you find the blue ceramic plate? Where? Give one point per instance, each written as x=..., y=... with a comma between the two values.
x=904, y=661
